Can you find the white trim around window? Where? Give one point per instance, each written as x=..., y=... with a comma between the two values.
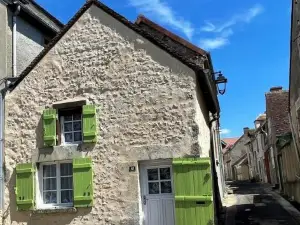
x=56, y=188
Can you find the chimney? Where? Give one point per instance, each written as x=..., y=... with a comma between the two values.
x=246, y=130
x=278, y=88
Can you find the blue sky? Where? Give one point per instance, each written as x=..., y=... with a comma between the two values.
x=248, y=41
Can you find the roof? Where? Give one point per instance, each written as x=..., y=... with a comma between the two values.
x=241, y=161
x=277, y=110
x=142, y=21
x=203, y=76
x=229, y=143
x=36, y=15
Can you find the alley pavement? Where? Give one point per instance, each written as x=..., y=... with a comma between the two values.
x=252, y=204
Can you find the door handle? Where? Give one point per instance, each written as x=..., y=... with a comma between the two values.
x=144, y=200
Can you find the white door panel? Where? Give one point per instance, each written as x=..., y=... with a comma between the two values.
x=157, y=194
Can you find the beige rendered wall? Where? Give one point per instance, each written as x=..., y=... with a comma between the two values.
x=148, y=108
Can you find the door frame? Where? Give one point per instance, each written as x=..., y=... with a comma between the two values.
x=143, y=165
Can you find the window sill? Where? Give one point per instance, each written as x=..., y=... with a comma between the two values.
x=52, y=211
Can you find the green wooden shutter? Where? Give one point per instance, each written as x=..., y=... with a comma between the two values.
x=83, y=182
x=25, y=186
x=193, y=191
x=49, y=121
x=89, y=124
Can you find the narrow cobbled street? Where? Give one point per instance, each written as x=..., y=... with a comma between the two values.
x=254, y=204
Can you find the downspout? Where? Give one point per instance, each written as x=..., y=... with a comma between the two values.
x=2, y=150
x=216, y=193
x=14, y=38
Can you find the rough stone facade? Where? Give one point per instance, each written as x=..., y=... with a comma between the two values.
x=148, y=107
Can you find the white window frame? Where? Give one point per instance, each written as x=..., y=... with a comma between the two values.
x=39, y=187
x=63, y=142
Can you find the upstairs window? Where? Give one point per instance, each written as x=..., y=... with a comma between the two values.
x=71, y=126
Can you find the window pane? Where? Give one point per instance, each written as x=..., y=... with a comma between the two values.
x=68, y=137
x=77, y=126
x=66, y=182
x=166, y=187
x=49, y=197
x=77, y=117
x=77, y=136
x=152, y=174
x=165, y=173
x=49, y=184
x=66, y=169
x=68, y=118
x=67, y=127
x=66, y=196
x=49, y=170
x=153, y=188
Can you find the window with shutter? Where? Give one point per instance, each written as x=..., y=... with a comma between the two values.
x=83, y=182
x=25, y=186
x=55, y=185
x=89, y=124
x=49, y=122
x=193, y=191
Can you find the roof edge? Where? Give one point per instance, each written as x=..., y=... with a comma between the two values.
x=53, y=18
x=142, y=19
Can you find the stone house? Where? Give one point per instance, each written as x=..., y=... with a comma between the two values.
x=227, y=143
x=111, y=125
x=26, y=28
x=255, y=150
x=238, y=151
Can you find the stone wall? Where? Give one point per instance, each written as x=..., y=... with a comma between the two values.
x=148, y=107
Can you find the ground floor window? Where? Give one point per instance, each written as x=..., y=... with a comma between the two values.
x=55, y=183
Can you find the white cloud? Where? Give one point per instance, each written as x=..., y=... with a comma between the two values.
x=224, y=30
x=225, y=131
x=213, y=43
x=164, y=14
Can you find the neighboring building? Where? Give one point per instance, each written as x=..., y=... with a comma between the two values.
x=127, y=120
x=227, y=143
x=255, y=151
x=26, y=28
x=238, y=151
x=241, y=168
x=278, y=124
x=291, y=154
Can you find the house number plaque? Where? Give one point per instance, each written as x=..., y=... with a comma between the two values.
x=131, y=168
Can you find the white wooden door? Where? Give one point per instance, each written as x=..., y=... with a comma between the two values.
x=157, y=194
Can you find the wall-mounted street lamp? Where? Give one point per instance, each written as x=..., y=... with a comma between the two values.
x=221, y=80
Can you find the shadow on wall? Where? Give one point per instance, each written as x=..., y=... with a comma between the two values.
x=39, y=133
x=37, y=219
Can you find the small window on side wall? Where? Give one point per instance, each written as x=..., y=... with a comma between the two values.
x=70, y=126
